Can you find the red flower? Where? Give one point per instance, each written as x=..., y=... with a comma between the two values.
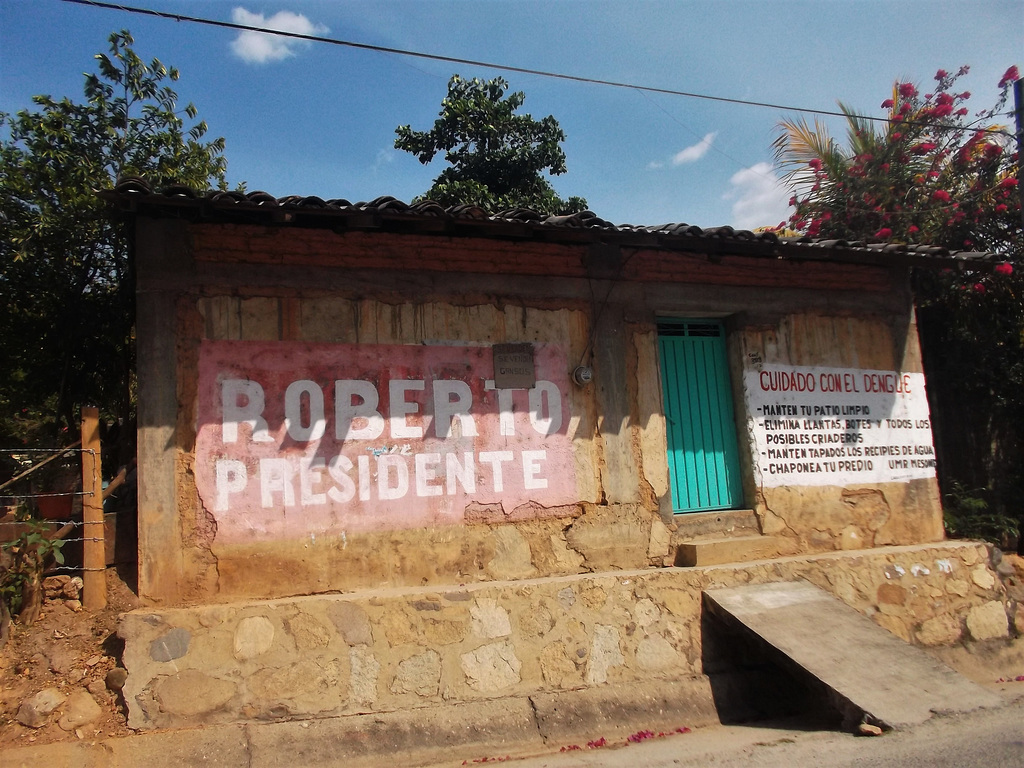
x=965, y=95
x=815, y=163
x=885, y=167
x=907, y=90
x=961, y=112
x=897, y=136
x=884, y=233
x=941, y=195
x=944, y=98
x=1003, y=269
x=1009, y=76
x=639, y=736
x=905, y=107
x=979, y=288
x=1001, y=208
x=1007, y=183
x=888, y=104
x=941, y=74
x=912, y=229
x=923, y=148
x=944, y=110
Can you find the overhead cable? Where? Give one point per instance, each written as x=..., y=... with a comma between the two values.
x=488, y=65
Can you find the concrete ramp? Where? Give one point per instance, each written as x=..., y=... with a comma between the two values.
x=868, y=671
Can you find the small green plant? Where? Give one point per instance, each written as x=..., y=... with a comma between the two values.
x=22, y=570
x=967, y=515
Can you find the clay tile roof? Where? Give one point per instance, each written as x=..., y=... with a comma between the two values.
x=520, y=214
x=180, y=190
x=127, y=185
x=468, y=211
x=134, y=194
x=237, y=197
x=302, y=202
x=686, y=230
x=261, y=198
x=428, y=208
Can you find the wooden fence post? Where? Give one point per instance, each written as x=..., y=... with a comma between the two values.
x=94, y=556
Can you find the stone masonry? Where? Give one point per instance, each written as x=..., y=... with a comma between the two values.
x=395, y=649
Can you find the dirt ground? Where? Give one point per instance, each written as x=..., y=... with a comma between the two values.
x=66, y=649
x=994, y=664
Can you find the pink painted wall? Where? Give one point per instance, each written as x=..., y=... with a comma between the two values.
x=298, y=439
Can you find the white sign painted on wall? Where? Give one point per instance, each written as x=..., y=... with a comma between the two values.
x=837, y=426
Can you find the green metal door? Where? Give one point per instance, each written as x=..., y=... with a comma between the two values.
x=703, y=458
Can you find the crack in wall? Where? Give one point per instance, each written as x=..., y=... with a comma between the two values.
x=535, y=719
x=247, y=742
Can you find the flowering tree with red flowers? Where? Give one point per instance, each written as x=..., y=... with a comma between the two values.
x=933, y=172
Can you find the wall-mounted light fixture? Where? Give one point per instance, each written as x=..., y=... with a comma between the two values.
x=583, y=375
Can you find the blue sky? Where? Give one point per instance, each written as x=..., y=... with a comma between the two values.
x=317, y=119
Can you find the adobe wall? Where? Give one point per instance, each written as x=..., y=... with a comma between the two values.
x=584, y=492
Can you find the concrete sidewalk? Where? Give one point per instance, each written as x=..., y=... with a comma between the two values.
x=449, y=734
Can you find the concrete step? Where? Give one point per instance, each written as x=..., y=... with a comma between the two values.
x=713, y=525
x=732, y=549
x=869, y=674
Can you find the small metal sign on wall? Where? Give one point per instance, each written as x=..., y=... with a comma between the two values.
x=513, y=366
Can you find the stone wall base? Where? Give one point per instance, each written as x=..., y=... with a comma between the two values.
x=618, y=647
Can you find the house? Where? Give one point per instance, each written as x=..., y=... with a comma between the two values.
x=395, y=455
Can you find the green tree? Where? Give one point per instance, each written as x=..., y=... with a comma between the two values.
x=67, y=289
x=497, y=157
x=935, y=174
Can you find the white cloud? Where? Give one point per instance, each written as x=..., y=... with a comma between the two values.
x=259, y=48
x=760, y=198
x=694, y=153
x=385, y=157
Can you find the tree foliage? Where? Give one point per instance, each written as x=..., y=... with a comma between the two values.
x=937, y=174
x=67, y=285
x=934, y=174
x=497, y=158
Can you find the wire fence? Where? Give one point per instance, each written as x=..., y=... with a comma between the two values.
x=58, y=500
x=48, y=493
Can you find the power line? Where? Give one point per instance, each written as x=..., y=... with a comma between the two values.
x=489, y=65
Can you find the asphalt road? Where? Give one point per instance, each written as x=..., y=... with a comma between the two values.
x=991, y=738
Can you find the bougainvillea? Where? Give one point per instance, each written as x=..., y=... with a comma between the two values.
x=932, y=173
